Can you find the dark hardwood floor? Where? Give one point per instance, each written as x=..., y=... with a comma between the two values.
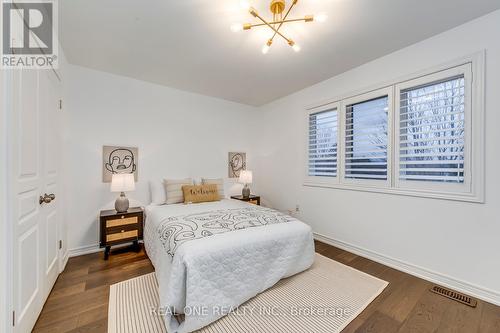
x=79, y=300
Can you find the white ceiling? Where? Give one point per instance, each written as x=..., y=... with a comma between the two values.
x=187, y=44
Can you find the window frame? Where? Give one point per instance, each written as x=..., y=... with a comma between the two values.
x=474, y=140
x=379, y=93
x=323, y=179
x=465, y=187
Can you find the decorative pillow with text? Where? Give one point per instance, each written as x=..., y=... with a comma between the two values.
x=200, y=193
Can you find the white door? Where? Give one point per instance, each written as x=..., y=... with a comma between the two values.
x=34, y=169
x=49, y=92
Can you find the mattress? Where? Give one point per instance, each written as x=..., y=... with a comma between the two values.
x=209, y=277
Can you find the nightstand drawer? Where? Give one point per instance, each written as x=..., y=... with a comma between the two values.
x=120, y=228
x=122, y=235
x=255, y=202
x=122, y=221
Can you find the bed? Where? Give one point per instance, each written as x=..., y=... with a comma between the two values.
x=211, y=257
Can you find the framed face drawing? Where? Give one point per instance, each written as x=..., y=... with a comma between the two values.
x=117, y=159
x=236, y=163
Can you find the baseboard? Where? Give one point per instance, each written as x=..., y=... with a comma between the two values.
x=82, y=250
x=88, y=249
x=484, y=294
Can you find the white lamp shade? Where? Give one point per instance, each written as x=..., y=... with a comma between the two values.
x=122, y=182
x=245, y=177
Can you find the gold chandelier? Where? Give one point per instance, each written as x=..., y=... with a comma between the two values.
x=277, y=8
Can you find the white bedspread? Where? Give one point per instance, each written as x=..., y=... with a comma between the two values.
x=209, y=276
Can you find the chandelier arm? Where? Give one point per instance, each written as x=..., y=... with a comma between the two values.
x=276, y=31
x=276, y=22
x=270, y=26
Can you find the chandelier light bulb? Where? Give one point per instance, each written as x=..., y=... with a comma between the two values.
x=265, y=49
x=236, y=27
x=320, y=18
x=245, y=5
x=296, y=47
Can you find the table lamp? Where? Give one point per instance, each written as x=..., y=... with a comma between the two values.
x=245, y=178
x=122, y=182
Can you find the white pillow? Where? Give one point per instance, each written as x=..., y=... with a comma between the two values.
x=157, y=190
x=217, y=181
x=173, y=189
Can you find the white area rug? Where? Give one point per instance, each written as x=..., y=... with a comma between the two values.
x=325, y=298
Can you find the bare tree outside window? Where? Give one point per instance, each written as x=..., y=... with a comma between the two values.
x=432, y=132
x=366, y=139
x=323, y=143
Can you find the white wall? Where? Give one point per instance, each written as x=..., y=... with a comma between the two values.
x=452, y=239
x=179, y=134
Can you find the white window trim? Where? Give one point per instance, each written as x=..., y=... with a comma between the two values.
x=476, y=136
x=323, y=180
x=358, y=99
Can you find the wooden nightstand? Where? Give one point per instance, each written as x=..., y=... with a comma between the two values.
x=253, y=199
x=118, y=228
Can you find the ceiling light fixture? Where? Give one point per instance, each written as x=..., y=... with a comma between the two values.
x=277, y=8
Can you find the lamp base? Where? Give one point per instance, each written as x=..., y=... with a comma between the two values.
x=245, y=192
x=121, y=203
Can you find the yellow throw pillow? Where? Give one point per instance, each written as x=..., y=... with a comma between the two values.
x=200, y=193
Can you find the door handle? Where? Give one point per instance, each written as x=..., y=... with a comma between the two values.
x=46, y=198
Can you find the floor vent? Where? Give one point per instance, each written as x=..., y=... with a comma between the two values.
x=464, y=299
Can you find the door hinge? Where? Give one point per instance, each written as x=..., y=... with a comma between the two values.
x=60, y=244
x=60, y=104
x=13, y=318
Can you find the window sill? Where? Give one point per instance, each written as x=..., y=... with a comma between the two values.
x=465, y=197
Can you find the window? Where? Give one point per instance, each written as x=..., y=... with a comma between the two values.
x=434, y=126
x=323, y=139
x=416, y=137
x=432, y=132
x=366, y=139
